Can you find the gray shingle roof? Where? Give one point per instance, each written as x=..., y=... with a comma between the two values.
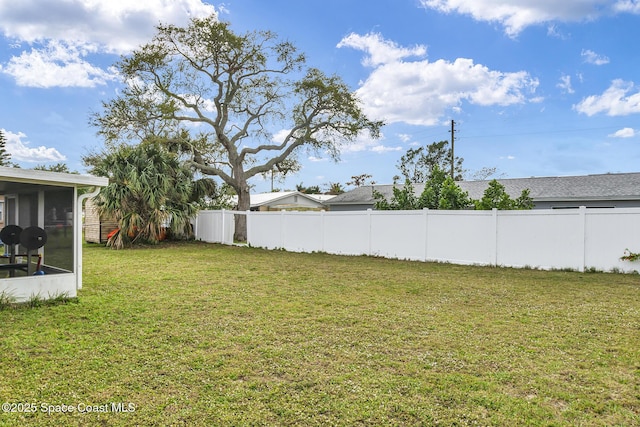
x=620, y=186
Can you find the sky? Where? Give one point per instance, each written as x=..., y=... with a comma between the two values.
x=535, y=87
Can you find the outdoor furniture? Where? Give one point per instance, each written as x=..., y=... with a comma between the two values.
x=32, y=239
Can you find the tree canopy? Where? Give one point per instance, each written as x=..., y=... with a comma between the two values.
x=5, y=157
x=442, y=192
x=280, y=171
x=334, y=188
x=496, y=196
x=222, y=97
x=360, y=180
x=58, y=167
x=418, y=164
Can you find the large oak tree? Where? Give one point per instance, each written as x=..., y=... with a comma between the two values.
x=220, y=97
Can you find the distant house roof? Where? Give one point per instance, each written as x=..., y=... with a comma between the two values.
x=284, y=198
x=321, y=197
x=603, y=187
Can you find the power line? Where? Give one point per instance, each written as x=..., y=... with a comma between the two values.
x=540, y=132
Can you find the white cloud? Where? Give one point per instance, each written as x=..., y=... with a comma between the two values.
x=62, y=34
x=117, y=26
x=565, y=84
x=404, y=137
x=20, y=150
x=364, y=142
x=280, y=136
x=516, y=15
x=385, y=149
x=630, y=6
x=624, y=133
x=380, y=51
x=317, y=159
x=553, y=31
x=620, y=99
x=421, y=92
x=591, y=57
x=56, y=65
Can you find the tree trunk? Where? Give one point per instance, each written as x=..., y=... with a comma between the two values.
x=244, y=204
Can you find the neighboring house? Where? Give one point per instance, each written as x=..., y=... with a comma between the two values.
x=619, y=190
x=96, y=227
x=287, y=200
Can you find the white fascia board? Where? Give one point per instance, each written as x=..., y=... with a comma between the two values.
x=30, y=176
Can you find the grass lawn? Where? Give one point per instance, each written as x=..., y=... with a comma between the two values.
x=206, y=335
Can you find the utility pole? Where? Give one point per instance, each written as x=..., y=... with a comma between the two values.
x=272, y=180
x=452, y=155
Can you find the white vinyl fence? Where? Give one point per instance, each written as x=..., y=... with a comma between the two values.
x=216, y=226
x=577, y=239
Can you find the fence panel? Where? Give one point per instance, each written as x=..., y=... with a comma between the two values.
x=265, y=230
x=208, y=226
x=347, y=233
x=302, y=231
x=398, y=234
x=541, y=239
x=608, y=233
x=462, y=237
x=229, y=228
x=215, y=226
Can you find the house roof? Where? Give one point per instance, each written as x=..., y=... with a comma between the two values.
x=622, y=186
x=322, y=197
x=262, y=199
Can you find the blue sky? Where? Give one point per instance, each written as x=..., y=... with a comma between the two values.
x=536, y=87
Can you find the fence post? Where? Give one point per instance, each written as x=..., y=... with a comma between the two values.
x=583, y=237
x=282, y=228
x=223, y=229
x=248, y=227
x=425, y=214
x=322, y=230
x=494, y=214
x=370, y=231
x=195, y=226
x=247, y=214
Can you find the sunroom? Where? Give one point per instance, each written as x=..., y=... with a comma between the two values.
x=42, y=232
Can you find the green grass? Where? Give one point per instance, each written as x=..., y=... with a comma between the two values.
x=203, y=335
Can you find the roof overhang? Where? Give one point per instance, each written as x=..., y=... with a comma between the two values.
x=46, y=178
x=360, y=202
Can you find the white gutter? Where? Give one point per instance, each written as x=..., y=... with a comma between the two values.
x=78, y=228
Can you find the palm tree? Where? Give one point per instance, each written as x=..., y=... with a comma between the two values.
x=5, y=157
x=335, y=188
x=150, y=193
